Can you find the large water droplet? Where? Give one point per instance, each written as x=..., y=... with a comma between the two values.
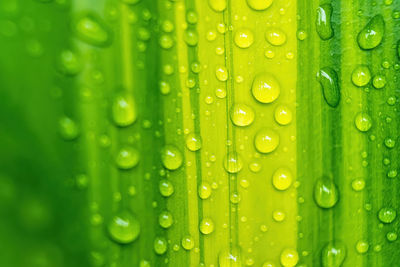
x=127, y=158
x=266, y=140
x=244, y=38
x=204, y=190
x=265, y=88
x=233, y=163
x=166, y=188
x=361, y=76
x=222, y=73
x=328, y=79
x=323, y=21
x=387, y=215
x=259, y=4
x=289, y=257
x=124, y=110
x=91, y=29
x=372, y=34
x=124, y=228
x=187, y=242
x=326, y=194
x=230, y=257
x=333, y=254
x=242, y=114
x=171, y=157
x=362, y=246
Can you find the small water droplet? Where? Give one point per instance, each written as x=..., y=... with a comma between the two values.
x=222, y=73
x=171, y=157
x=265, y=88
x=358, y=184
x=363, y=122
x=204, y=190
x=387, y=215
x=266, y=140
x=326, y=194
x=361, y=76
x=242, y=114
x=91, y=29
x=69, y=63
x=165, y=219
x=160, y=245
x=282, y=179
x=362, y=247
x=283, y=115
x=275, y=36
x=233, y=163
x=124, y=110
x=230, y=257
x=127, y=158
x=187, y=242
x=379, y=81
x=259, y=4
x=333, y=254
x=289, y=257
x=69, y=130
x=124, y=228
x=244, y=38
x=193, y=142
x=206, y=226
x=166, y=188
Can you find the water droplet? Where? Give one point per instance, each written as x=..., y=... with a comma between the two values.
x=289, y=257
x=191, y=17
x=328, y=79
x=362, y=246
x=379, y=81
x=266, y=140
x=206, y=226
x=282, y=179
x=124, y=228
x=193, y=142
x=68, y=128
x=268, y=264
x=91, y=29
x=230, y=257
x=389, y=142
x=333, y=254
x=69, y=63
x=144, y=263
x=187, y=242
x=217, y=5
x=191, y=37
x=326, y=194
x=387, y=215
x=233, y=163
x=275, y=36
x=127, y=158
x=165, y=219
x=124, y=110
x=363, y=122
x=167, y=26
x=166, y=41
x=283, y=115
x=171, y=157
x=204, y=190
x=259, y=4
x=323, y=21
x=361, y=76
x=372, y=34
x=391, y=236
x=265, y=88
x=244, y=38
x=160, y=245
x=358, y=184
x=242, y=114
x=235, y=198
x=166, y=188
x=222, y=73
x=165, y=88
x=278, y=215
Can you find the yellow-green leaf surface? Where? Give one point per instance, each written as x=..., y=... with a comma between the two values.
x=199, y=133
